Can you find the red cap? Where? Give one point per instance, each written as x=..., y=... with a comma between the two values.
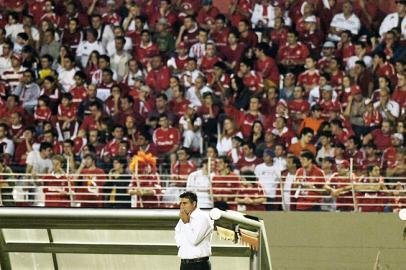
x=355, y=90
x=181, y=45
x=344, y=163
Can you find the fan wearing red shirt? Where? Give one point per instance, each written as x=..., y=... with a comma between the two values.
x=220, y=32
x=369, y=195
x=178, y=62
x=166, y=138
x=245, y=120
x=298, y=106
x=336, y=74
x=345, y=49
x=111, y=148
x=250, y=196
x=381, y=137
x=327, y=103
x=233, y=52
x=225, y=185
x=240, y=10
x=340, y=133
x=340, y=188
x=42, y=113
x=79, y=92
x=389, y=154
x=265, y=65
x=56, y=185
x=146, y=49
x=188, y=32
x=90, y=183
x=163, y=11
x=311, y=77
x=310, y=183
x=158, y=77
x=250, y=78
x=67, y=115
x=92, y=121
x=399, y=95
x=293, y=54
x=219, y=80
x=383, y=68
x=145, y=188
x=249, y=160
x=207, y=15
x=279, y=33
x=247, y=37
x=178, y=104
x=209, y=59
x=181, y=169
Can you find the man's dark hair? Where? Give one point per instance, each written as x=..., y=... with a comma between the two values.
x=105, y=58
x=307, y=154
x=69, y=141
x=306, y=131
x=48, y=57
x=91, y=156
x=45, y=146
x=191, y=196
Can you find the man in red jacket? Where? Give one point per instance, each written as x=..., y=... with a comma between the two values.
x=158, y=77
x=309, y=184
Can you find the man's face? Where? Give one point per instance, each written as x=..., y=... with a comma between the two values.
x=88, y=162
x=118, y=133
x=186, y=205
x=96, y=22
x=305, y=162
x=347, y=8
x=156, y=62
x=242, y=27
x=254, y=104
x=182, y=156
x=163, y=122
x=297, y=93
x=188, y=23
x=385, y=128
x=106, y=77
x=308, y=137
x=219, y=25
x=291, y=38
x=199, y=83
x=160, y=103
x=67, y=148
x=27, y=78
x=117, y=165
x=246, y=150
x=145, y=37
x=202, y=37
x=400, y=8
x=47, y=152
x=15, y=119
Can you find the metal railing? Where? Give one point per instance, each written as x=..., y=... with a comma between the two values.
x=232, y=192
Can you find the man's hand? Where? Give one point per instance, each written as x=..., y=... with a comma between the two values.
x=185, y=217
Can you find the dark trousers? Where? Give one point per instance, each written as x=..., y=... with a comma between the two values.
x=196, y=266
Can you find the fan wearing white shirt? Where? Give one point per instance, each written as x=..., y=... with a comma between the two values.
x=86, y=47
x=269, y=177
x=346, y=20
x=199, y=182
x=193, y=234
x=195, y=93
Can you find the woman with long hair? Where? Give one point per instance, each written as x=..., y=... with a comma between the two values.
x=224, y=142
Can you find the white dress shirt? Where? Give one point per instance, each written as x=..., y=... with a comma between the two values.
x=193, y=238
x=192, y=96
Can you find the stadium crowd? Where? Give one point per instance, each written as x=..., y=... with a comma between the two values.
x=268, y=89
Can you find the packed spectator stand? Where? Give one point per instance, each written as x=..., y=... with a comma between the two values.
x=268, y=105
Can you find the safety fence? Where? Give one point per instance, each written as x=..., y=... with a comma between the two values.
x=233, y=192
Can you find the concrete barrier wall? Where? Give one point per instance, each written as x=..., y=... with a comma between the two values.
x=335, y=240
x=298, y=241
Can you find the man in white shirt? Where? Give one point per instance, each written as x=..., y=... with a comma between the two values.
x=5, y=58
x=199, y=182
x=39, y=162
x=269, y=176
x=111, y=46
x=198, y=50
x=195, y=93
x=86, y=47
x=347, y=20
x=6, y=145
x=395, y=20
x=263, y=15
x=66, y=74
x=193, y=234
